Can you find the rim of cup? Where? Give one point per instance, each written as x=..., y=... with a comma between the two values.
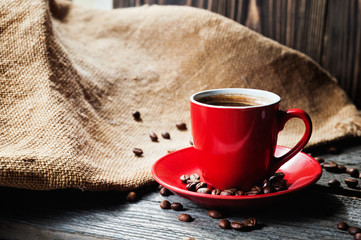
x=271, y=97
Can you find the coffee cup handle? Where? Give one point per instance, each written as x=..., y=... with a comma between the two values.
x=284, y=116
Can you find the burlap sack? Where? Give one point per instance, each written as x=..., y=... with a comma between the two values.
x=71, y=77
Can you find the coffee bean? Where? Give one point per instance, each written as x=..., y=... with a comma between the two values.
x=184, y=178
x=204, y=190
x=224, y=224
x=354, y=172
x=181, y=126
x=201, y=185
x=138, y=152
x=176, y=206
x=193, y=181
x=165, y=192
x=341, y=168
x=239, y=193
x=274, y=179
x=215, y=214
x=160, y=187
x=342, y=226
x=334, y=183
x=191, y=186
x=330, y=167
x=136, y=115
x=251, y=193
x=185, y=218
x=238, y=226
x=131, y=197
x=153, y=136
x=226, y=193
x=354, y=230
x=194, y=176
x=280, y=188
x=165, y=204
x=231, y=190
x=166, y=135
x=266, y=183
x=216, y=191
x=257, y=188
x=251, y=222
x=280, y=175
x=351, y=182
x=357, y=236
x=268, y=189
x=319, y=159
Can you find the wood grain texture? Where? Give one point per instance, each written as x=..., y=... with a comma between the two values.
x=329, y=31
x=72, y=214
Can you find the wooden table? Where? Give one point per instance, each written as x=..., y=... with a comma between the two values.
x=71, y=214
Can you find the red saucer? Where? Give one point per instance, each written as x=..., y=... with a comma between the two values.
x=300, y=172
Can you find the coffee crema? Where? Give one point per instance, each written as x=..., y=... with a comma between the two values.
x=233, y=100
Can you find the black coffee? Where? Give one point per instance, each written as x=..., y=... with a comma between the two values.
x=233, y=100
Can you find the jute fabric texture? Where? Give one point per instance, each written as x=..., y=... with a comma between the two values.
x=71, y=77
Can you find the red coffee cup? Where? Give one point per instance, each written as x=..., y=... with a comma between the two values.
x=235, y=131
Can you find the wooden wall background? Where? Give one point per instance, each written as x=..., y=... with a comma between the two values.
x=329, y=31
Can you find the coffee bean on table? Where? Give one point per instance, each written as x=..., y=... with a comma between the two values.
x=194, y=176
x=185, y=218
x=176, y=206
x=238, y=226
x=224, y=224
x=166, y=135
x=215, y=214
x=204, y=190
x=131, y=197
x=153, y=136
x=138, y=152
x=181, y=126
x=250, y=222
x=341, y=168
x=184, y=178
x=330, y=167
x=164, y=192
x=165, y=204
x=319, y=159
x=136, y=115
x=351, y=182
x=216, y=191
x=342, y=226
x=334, y=183
x=354, y=230
x=354, y=172
x=357, y=236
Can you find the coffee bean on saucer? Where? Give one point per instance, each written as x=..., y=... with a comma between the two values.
x=334, y=183
x=176, y=206
x=185, y=218
x=131, y=197
x=280, y=188
x=353, y=172
x=319, y=159
x=191, y=186
x=165, y=204
x=215, y=214
x=342, y=226
x=204, y=190
x=251, y=193
x=226, y=193
x=181, y=126
x=201, y=185
x=239, y=193
x=184, y=178
x=257, y=188
x=153, y=136
x=216, y=191
x=357, y=236
x=238, y=226
x=266, y=183
x=138, y=152
x=165, y=192
x=274, y=179
x=194, y=176
x=224, y=224
x=351, y=182
x=136, y=115
x=166, y=135
x=354, y=230
x=231, y=190
x=193, y=181
x=280, y=175
x=268, y=189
